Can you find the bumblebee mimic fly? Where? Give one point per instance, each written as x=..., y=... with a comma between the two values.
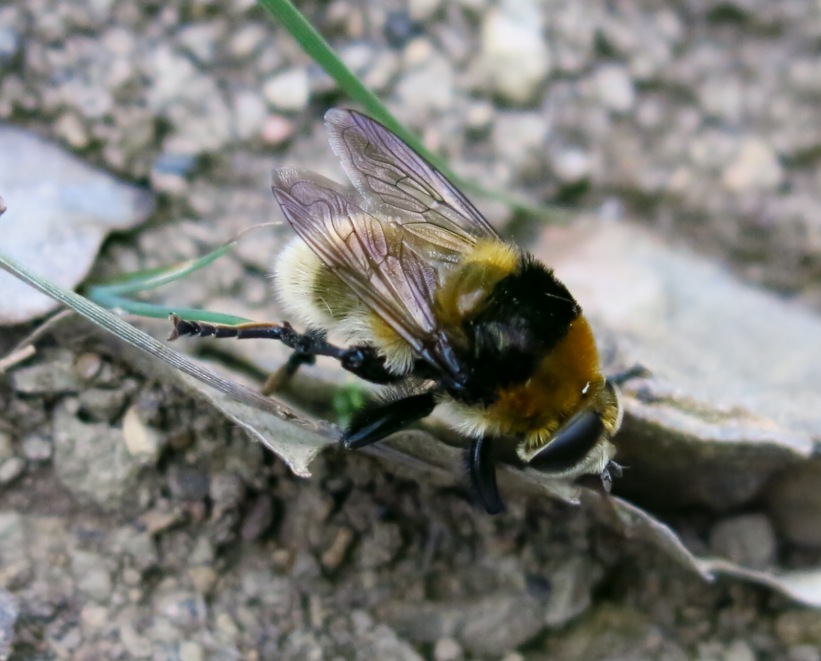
x=439, y=309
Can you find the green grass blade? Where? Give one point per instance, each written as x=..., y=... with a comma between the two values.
x=138, y=281
x=110, y=295
x=112, y=301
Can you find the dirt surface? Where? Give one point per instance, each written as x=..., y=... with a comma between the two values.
x=136, y=523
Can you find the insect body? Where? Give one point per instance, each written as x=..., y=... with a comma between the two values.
x=438, y=307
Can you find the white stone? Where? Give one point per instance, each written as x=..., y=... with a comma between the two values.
x=191, y=651
x=136, y=645
x=11, y=469
x=71, y=129
x=514, y=59
x=755, y=168
x=423, y=10
x=250, y=113
x=93, y=617
x=723, y=97
x=519, y=138
x=739, y=650
x=171, y=74
x=571, y=164
x=430, y=87
x=142, y=441
x=615, y=88
x=448, y=649
x=288, y=91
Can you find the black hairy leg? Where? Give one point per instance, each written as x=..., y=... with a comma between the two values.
x=481, y=465
x=610, y=471
x=570, y=444
x=363, y=361
x=374, y=422
x=633, y=372
x=276, y=381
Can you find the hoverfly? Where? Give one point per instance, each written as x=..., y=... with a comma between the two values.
x=438, y=308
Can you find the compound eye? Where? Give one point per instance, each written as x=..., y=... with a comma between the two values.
x=571, y=443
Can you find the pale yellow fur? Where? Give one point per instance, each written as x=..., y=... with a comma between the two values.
x=333, y=309
x=295, y=269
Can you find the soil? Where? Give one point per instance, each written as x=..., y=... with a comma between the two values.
x=137, y=523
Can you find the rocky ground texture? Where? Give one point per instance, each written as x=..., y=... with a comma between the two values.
x=136, y=523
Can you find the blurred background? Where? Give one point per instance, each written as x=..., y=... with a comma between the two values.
x=674, y=149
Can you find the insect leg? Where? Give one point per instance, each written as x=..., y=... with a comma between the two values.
x=634, y=372
x=373, y=423
x=363, y=361
x=610, y=471
x=296, y=360
x=570, y=444
x=277, y=380
x=481, y=466
x=283, y=332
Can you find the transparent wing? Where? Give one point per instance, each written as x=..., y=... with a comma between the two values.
x=388, y=172
x=371, y=256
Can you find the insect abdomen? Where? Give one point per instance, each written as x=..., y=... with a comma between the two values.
x=311, y=294
x=308, y=292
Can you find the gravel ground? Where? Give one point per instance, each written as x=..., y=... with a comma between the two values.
x=137, y=524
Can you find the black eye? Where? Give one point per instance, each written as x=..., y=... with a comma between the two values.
x=571, y=444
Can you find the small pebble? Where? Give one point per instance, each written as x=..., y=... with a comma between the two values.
x=615, y=88
x=6, y=445
x=54, y=375
x=9, y=43
x=92, y=575
x=11, y=469
x=187, y=483
x=480, y=116
x=288, y=91
x=180, y=165
x=143, y=441
x=379, y=546
x=37, y=447
x=88, y=365
x=423, y=10
x=748, y=540
x=102, y=404
x=571, y=164
x=739, y=650
x=246, y=40
x=448, y=649
x=333, y=556
x=514, y=59
x=400, y=28
x=156, y=521
x=258, y=519
x=203, y=579
x=226, y=491
x=191, y=651
x=250, y=114
x=756, y=167
x=277, y=129
x=185, y=609
x=137, y=646
x=427, y=88
x=94, y=617
x=72, y=130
